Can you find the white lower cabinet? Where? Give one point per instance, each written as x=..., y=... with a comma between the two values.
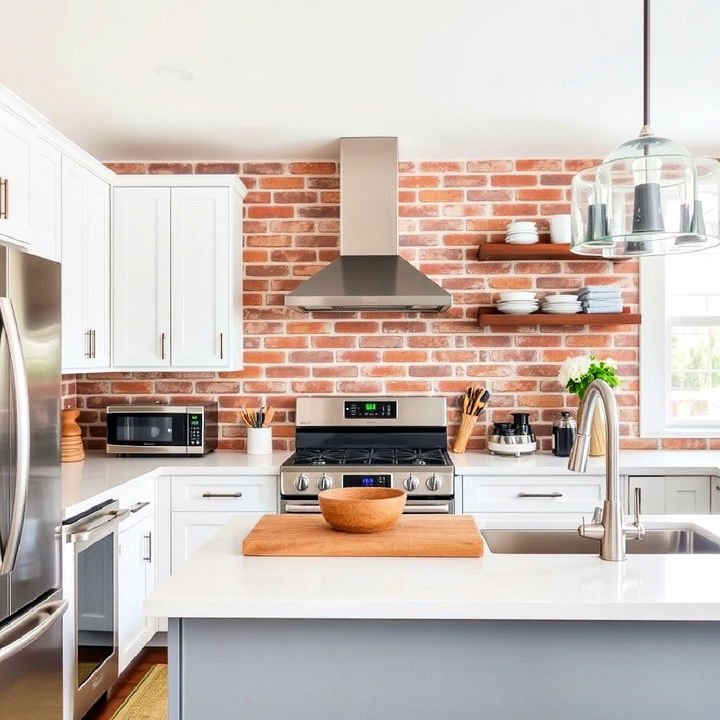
x=520, y=494
x=671, y=494
x=136, y=572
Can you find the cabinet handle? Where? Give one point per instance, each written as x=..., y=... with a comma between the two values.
x=139, y=506
x=222, y=495
x=539, y=495
x=94, y=347
x=147, y=555
x=88, y=340
x=221, y=346
x=162, y=346
x=4, y=198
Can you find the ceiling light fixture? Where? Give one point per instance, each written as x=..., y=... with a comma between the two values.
x=649, y=196
x=179, y=74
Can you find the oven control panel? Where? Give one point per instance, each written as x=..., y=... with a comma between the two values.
x=297, y=482
x=362, y=410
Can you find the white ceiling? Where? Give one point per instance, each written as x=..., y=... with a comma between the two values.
x=286, y=78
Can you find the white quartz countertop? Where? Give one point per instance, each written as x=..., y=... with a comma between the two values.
x=101, y=473
x=640, y=462
x=219, y=582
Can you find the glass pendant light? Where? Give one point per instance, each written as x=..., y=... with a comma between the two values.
x=649, y=196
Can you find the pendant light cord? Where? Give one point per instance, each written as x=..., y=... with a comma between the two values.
x=646, y=130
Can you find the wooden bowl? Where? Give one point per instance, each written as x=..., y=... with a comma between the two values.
x=362, y=510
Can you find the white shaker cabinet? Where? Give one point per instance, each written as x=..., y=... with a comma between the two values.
x=16, y=144
x=671, y=495
x=201, y=267
x=188, y=229
x=85, y=269
x=45, y=200
x=136, y=571
x=141, y=277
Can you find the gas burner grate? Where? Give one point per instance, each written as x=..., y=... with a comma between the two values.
x=371, y=456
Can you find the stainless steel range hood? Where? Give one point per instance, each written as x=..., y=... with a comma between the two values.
x=369, y=274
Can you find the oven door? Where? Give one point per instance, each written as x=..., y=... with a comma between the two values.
x=147, y=429
x=94, y=539
x=412, y=507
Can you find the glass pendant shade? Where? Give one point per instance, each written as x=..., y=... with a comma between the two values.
x=648, y=197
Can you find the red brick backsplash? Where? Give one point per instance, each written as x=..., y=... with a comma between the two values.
x=446, y=209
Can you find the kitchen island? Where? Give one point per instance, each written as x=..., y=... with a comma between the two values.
x=501, y=637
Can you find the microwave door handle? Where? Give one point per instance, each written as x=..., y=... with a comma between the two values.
x=21, y=394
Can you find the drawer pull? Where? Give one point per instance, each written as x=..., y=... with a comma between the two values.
x=139, y=506
x=222, y=495
x=540, y=495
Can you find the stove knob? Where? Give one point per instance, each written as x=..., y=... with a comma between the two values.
x=434, y=482
x=410, y=483
x=324, y=482
x=302, y=482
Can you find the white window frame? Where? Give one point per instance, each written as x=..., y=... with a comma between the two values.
x=655, y=420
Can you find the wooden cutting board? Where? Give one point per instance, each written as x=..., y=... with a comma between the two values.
x=411, y=536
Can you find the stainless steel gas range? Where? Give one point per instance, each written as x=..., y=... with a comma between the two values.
x=397, y=442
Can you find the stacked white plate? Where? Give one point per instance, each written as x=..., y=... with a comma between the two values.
x=522, y=232
x=517, y=302
x=561, y=304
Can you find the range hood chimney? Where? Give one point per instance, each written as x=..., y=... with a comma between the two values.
x=369, y=274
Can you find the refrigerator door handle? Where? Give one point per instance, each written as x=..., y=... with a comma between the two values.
x=9, y=549
x=38, y=620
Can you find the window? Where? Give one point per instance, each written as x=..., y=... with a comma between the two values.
x=680, y=345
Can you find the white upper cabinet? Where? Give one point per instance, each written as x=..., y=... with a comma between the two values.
x=85, y=269
x=177, y=273
x=45, y=200
x=16, y=142
x=201, y=265
x=141, y=277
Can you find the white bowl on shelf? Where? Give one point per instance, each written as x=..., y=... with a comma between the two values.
x=561, y=309
x=521, y=226
x=518, y=310
x=522, y=238
x=562, y=299
x=517, y=295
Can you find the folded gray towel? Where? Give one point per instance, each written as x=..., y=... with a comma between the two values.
x=600, y=289
x=605, y=308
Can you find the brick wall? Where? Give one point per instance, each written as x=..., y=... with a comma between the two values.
x=446, y=210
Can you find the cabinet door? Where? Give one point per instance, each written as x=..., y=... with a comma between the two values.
x=141, y=277
x=97, y=260
x=687, y=495
x=85, y=268
x=135, y=582
x=45, y=199
x=652, y=488
x=200, y=259
x=16, y=142
x=191, y=530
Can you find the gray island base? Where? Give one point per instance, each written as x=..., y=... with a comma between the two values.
x=300, y=669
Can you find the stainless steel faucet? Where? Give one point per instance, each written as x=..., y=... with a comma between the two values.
x=608, y=526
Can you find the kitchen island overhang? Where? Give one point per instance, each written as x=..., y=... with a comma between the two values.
x=504, y=636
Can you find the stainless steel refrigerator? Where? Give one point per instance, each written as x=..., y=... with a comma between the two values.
x=31, y=604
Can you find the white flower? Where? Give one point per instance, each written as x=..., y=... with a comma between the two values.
x=573, y=369
x=611, y=363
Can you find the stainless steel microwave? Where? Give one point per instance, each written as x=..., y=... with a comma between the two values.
x=162, y=429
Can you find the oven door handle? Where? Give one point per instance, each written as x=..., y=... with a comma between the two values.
x=291, y=508
x=40, y=619
x=92, y=530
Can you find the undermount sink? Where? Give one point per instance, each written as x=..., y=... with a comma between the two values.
x=568, y=542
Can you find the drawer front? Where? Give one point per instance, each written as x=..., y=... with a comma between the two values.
x=531, y=494
x=225, y=493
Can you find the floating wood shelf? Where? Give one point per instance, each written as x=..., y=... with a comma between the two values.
x=490, y=316
x=536, y=251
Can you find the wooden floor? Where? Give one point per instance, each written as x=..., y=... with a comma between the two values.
x=104, y=709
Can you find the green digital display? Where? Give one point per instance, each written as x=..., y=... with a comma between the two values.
x=370, y=406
